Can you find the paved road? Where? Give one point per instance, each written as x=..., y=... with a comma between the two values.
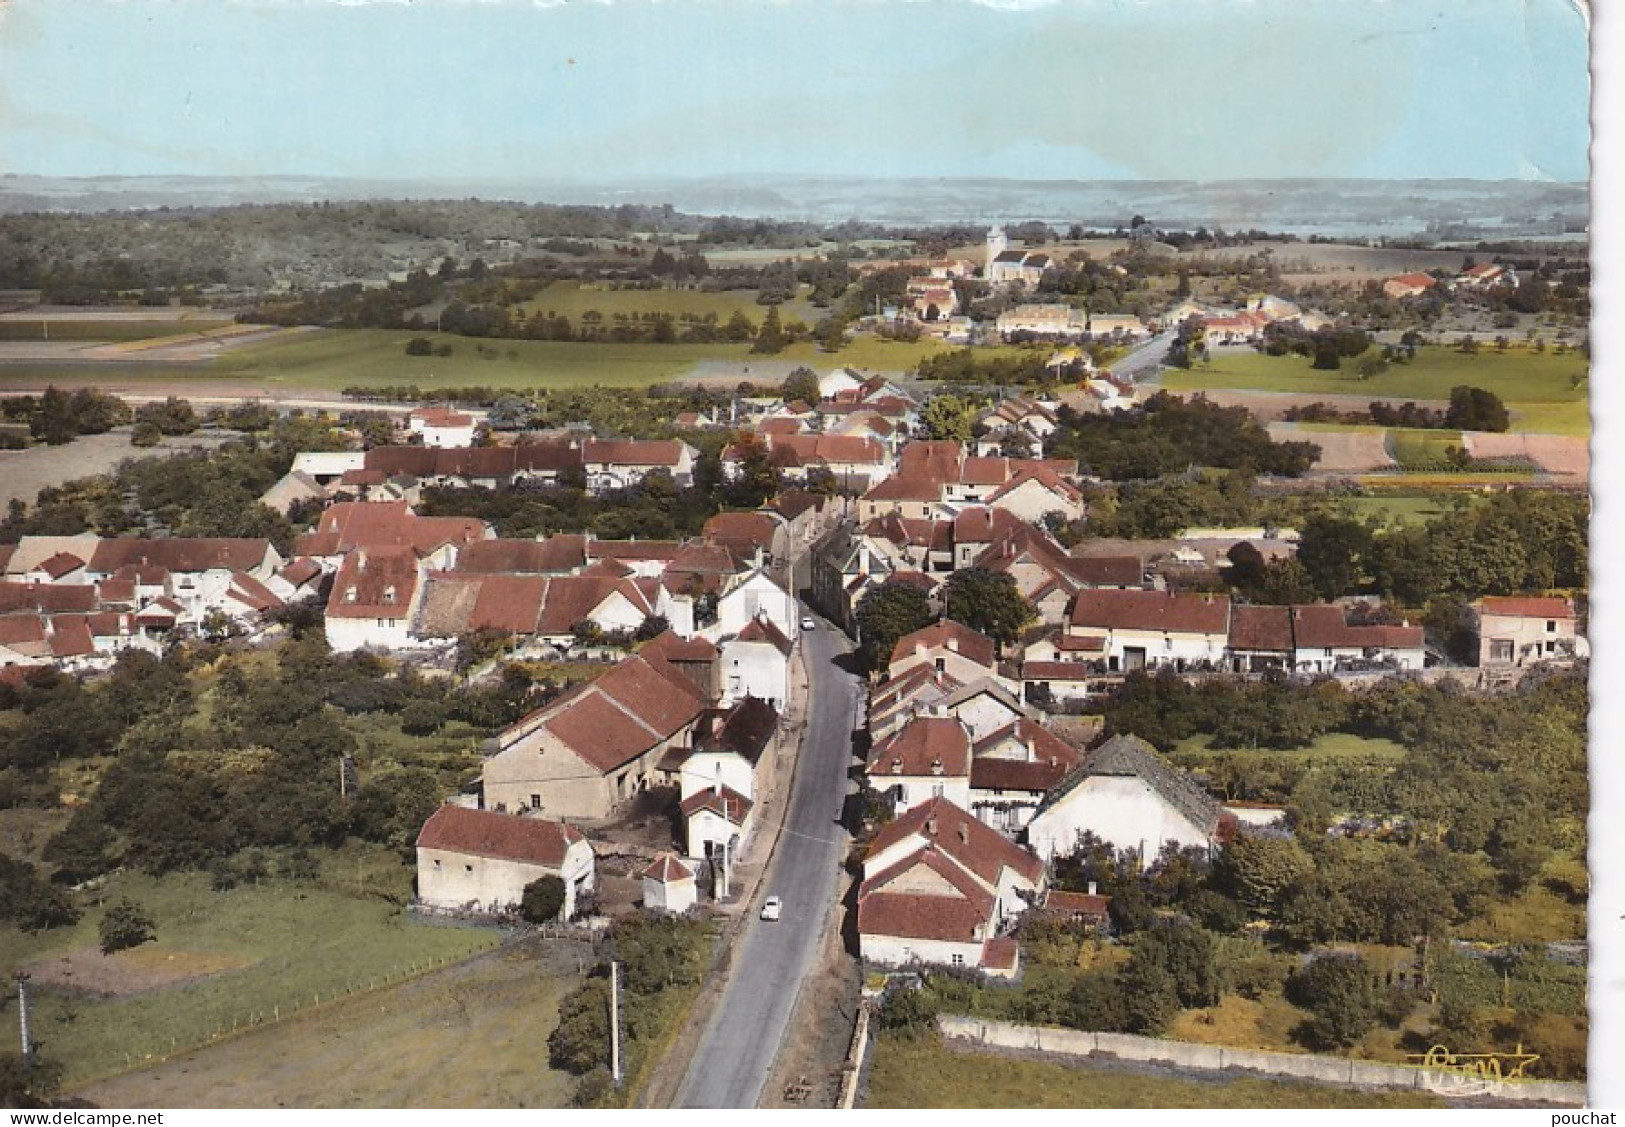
x=1142, y=363
x=738, y=1047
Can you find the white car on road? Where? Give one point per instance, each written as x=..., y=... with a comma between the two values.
x=808, y=622
x=772, y=908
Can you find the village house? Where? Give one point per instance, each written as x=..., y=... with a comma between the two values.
x=1005, y=266
x=1324, y=642
x=1123, y=793
x=376, y=594
x=928, y=757
x=623, y=463
x=1521, y=630
x=941, y=888
x=1012, y=769
x=441, y=427
x=598, y=745
x=723, y=778
x=756, y=663
x=1150, y=629
x=480, y=861
x=948, y=647
x=751, y=595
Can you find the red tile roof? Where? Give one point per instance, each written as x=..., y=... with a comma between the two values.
x=375, y=583
x=47, y=597
x=1261, y=628
x=724, y=802
x=1173, y=612
x=747, y=530
x=505, y=837
x=926, y=745
x=385, y=524
x=70, y=636
x=1524, y=606
x=633, y=452
x=20, y=629
x=972, y=843
x=556, y=555
x=1055, y=671
x=763, y=630
x=666, y=868
x=949, y=635
x=180, y=554
x=60, y=564
x=1327, y=626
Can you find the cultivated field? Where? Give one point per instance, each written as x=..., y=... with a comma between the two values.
x=1342, y=449
x=471, y=1035
x=289, y=361
x=1544, y=392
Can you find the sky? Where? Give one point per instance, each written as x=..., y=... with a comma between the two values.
x=638, y=89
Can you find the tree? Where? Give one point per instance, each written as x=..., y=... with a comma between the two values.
x=988, y=602
x=770, y=337
x=1150, y=996
x=124, y=925
x=543, y=900
x=1258, y=869
x=145, y=434
x=1474, y=408
x=886, y=614
x=1186, y=953
x=580, y=1041
x=172, y=416
x=802, y=384
x=948, y=418
x=1338, y=990
x=1331, y=550
x=419, y=346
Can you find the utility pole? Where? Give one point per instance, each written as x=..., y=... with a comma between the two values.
x=615, y=1022
x=22, y=1019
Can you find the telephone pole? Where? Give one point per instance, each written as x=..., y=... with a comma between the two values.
x=615, y=1022
x=22, y=1019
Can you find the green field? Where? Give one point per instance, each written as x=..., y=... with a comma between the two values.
x=467, y=1036
x=1401, y=508
x=1422, y=449
x=337, y=358
x=1539, y=388
x=919, y=1072
x=1332, y=745
x=273, y=948
x=572, y=299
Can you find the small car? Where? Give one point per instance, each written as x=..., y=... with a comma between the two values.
x=808, y=622
x=772, y=908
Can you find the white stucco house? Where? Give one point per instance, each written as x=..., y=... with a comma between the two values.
x=1125, y=794
x=749, y=596
x=756, y=663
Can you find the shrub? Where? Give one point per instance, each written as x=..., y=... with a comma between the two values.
x=543, y=900
x=125, y=925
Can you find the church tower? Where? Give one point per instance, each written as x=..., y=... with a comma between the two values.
x=997, y=244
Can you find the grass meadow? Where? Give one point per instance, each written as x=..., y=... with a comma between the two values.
x=921, y=1072
x=1544, y=391
x=262, y=953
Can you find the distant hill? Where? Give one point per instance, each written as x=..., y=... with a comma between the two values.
x=1345, y=208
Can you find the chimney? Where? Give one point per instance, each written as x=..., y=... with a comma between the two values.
x=1092, y=887
x=953, y=645
x=930, y=827
x=896, y=765
x=1031, y=754
x=936, y=766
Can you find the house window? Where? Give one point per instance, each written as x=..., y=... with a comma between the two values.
x=958, y=959
x=535, y=802
x=437, y=864
x=1551, y=626
x=942, y=664
x=1500, y=649
x=468, y=868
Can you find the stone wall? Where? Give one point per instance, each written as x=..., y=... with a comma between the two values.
x=1215, y=1058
